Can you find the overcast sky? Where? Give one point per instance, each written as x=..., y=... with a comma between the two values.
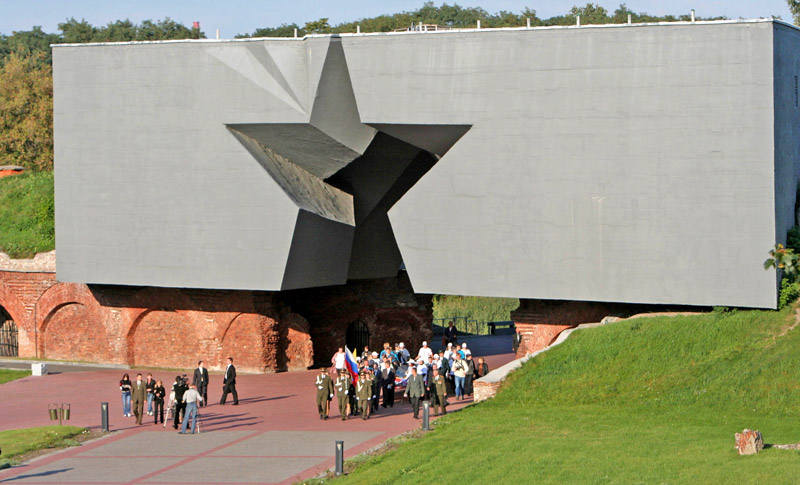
x=243, y=16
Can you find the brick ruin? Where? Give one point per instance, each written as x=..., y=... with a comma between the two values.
x=169, y=327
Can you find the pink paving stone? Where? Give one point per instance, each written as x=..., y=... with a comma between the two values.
x=272, y=402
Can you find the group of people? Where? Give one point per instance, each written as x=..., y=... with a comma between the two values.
x=429, y=376
x=184, y=398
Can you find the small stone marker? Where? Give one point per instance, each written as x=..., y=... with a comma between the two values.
x=749, y=442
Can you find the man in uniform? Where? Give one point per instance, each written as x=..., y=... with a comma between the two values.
x=415, y=390
x=324, y=392
x=438, y=392
x=343, y=392
x=364, y=393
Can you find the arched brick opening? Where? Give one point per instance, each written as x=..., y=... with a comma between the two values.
x=295, y=348
x=13, y=306
x=72, y=331
x=357, y=336
x=65, y=311
x=251, y=340
x=163, y=338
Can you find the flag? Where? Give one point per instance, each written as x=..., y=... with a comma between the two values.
x=351, y=364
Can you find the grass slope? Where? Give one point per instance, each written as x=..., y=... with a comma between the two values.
x=16, y=442
x=26, y=214
x=643, y=401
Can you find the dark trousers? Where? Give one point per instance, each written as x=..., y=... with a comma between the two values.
x=180, y=408
x=388, y=396
x=468, y=384
x=229, y=388
x=415, y=405
x=158, y=409
x=203, y=391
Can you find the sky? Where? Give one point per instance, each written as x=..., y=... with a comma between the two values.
x=233, y=17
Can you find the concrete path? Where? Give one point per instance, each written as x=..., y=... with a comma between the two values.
x=273, y=436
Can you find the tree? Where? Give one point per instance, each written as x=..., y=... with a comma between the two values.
x=794, y=7
x=26, y=112
x=320, y=26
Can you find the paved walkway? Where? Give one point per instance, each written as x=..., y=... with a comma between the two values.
x=273, y=436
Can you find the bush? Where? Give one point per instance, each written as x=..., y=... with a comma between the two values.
x=790, y=292
x=793, y=239
x=27, y=223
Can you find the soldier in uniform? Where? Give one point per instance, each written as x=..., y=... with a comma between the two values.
x=342, y=385
x=324, y=392
x=438, y=392
x=364, y=394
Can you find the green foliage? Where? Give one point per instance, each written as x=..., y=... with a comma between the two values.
x=474, y=307
x=611, y=405
x=794, y=7
x=783, y=259
x=8, y=375
x=26, y=112
x=36, y=41
x=790, y=292
x=18, y=441
x=456, y=16
x=26, y=214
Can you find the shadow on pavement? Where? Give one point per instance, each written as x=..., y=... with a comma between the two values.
x=34, y=475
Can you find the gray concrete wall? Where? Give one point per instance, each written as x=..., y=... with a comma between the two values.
x=617, y=164
x=626, y=163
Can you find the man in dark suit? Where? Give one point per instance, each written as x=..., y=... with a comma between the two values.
x=229, y=383
x=201, y=381
x=415, y=390
x=139, y=397
x=387, y=384
x=450, y=334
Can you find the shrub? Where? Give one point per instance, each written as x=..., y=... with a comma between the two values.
x=790, y=292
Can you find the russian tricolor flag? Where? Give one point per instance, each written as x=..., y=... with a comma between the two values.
x=351, y=364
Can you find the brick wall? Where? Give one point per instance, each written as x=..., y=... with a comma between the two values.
x=168, y=327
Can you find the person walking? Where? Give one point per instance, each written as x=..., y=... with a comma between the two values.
x=438, y=392
x=415, y=390
x=158, y=401
x=324, y=392
x=338, y=360
x=481, y=369
x=343, y=392
x=190, y=399
x=459, y=369
x=229, y=383
x=139, y=395
x=200, y=380
x=149, y=385
x=468, y=377
x=125, y=387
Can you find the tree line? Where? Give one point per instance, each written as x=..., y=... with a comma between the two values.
x=456, y=16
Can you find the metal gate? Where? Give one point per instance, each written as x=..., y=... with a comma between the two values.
x=9, y=347
x=357, y=337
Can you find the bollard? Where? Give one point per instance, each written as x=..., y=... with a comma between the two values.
x=339, y=458
x=104, y=416
x=426, y=415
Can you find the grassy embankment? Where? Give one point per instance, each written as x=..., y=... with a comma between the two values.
x=642, y=401
x=8, y=375
x=18, y=442
x=26, y=214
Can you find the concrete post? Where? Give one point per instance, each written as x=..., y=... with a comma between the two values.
x=339, y=458
x=426, y=415
x=104, y=417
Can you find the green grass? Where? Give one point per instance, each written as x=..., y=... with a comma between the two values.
x=8, y=375
x=17, y=442
x=26, y=214
x=643, y=401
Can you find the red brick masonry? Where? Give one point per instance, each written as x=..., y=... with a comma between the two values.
x=167, y=327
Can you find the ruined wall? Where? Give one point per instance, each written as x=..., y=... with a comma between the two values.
x=169, y=327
